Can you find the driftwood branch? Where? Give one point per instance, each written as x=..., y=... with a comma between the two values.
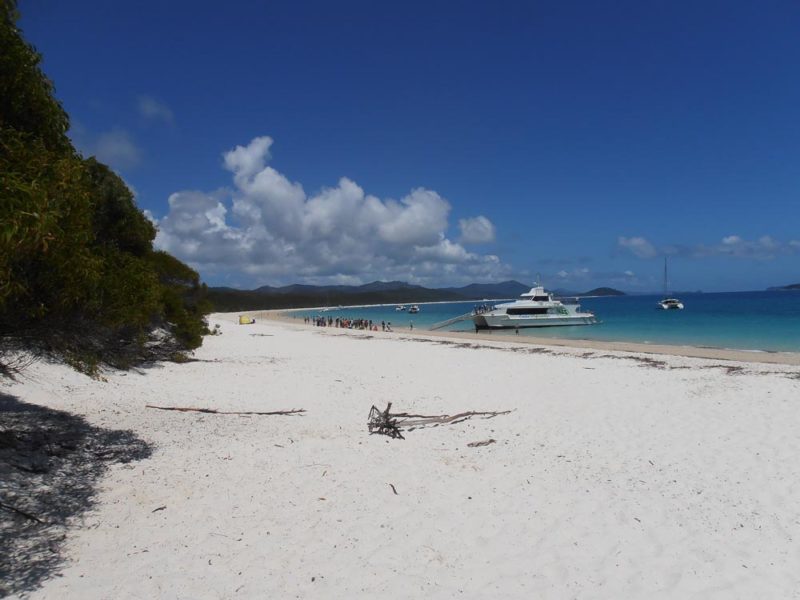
x=483, y=443
x=293, y=411
x=387, y=423
x=383, y=422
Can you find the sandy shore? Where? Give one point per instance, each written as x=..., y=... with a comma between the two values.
x=617, y=475
x=778, y=358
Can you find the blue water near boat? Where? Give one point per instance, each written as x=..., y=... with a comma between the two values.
x=767, y=321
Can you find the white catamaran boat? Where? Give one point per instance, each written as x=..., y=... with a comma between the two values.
x=536, y=308
x=668, y=303
x=414, y=309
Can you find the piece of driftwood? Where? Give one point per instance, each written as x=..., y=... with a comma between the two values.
x=483, y=443
x=383, y=422
x=387, y=423
x=293, y=411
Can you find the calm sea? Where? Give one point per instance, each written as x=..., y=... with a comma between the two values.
x=768, y=321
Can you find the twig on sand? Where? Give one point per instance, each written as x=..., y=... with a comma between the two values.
x=391, y=485
x=387, y=423
x=293, y=411
x=483, y=443
x=21, y=512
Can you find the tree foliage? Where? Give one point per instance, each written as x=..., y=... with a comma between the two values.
x=79, y=278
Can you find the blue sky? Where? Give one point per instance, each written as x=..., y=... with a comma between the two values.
x=444, y=143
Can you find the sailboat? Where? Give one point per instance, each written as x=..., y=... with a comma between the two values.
x=668, y=303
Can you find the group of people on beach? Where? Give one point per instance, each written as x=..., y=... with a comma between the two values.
x=365, y=324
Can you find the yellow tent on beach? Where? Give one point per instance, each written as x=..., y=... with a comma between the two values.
x=245, y=320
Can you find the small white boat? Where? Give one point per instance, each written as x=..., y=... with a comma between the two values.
x=400, y=308
x=671, y=304
x=536, y=308
x=414, y=309
x=667, y=303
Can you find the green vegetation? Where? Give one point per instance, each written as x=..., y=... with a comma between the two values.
x=79, y=278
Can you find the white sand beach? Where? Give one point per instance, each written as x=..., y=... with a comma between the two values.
x=617, y=475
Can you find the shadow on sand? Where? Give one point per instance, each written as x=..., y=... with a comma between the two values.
x=50, y=465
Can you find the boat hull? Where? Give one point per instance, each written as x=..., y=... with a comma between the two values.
x=489, y=321
x=671, y=305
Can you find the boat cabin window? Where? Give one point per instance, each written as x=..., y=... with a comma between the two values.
x=527, y=311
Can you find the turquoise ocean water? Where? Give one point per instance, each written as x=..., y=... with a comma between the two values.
x=768, y=321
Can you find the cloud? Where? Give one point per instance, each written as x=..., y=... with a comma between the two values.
x=116, y=148
x=268, y=228
x=734, y=246
x=578, y=274
x=764, y=248
x=150, y=216
x=731, y=240
x=478, y=230
x=153, y=110
x=638, y=246
x=584, y=278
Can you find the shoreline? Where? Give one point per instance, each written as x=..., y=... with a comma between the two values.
x=746, y=356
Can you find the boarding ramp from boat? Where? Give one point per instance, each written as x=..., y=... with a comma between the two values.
x=441, y=324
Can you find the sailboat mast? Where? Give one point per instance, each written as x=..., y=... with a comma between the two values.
x=665, y=277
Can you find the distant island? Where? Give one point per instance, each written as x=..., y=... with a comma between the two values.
x=604, y=291
x=782, y=288
x=267, y=297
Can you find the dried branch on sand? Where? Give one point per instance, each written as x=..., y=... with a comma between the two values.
x=293, y=411
x=387, y=423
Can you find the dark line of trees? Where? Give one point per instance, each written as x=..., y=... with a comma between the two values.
x=79, y=277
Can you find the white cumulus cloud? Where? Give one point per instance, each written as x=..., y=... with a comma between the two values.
x=270, y=229
x=478, y=230
x=638, y=246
